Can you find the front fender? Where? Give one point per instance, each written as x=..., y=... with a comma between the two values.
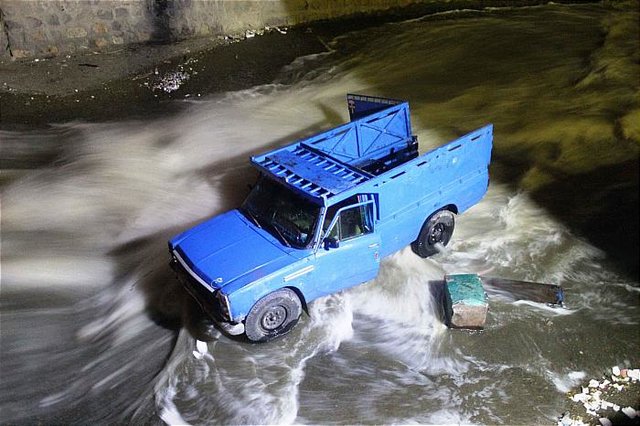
x=242, y=299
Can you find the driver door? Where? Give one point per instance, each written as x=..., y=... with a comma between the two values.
x=350, y=254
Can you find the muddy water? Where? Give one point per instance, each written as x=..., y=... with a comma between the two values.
x=95, y=328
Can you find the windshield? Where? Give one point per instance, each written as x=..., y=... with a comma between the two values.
x=286, y=215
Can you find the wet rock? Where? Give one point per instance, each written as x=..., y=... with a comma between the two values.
x=76, y=32
x=106, y=14
x=100, y=43
x=100, y=28
x=53, y=20
x=21, y=53
x=122, y=12
x=33, y=22
x=51, y=51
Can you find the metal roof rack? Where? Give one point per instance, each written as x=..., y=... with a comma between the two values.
x=311, y=171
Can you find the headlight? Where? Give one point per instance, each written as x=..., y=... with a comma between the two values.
x=223, y=301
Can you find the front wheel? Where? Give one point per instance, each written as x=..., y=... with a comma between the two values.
x=273, y=315
x=435, y=230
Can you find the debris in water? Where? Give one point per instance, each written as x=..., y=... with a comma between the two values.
x=201, y=349
x=465, y=303
x=550, y=294
x=171, y=82
x=598, y=397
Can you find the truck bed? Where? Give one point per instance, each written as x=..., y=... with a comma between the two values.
x=376, y=150
x=377, y=139
x=452, y=177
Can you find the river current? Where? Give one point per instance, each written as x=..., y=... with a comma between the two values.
x=95, y=328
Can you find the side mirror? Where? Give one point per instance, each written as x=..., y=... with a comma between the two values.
x=331, y=243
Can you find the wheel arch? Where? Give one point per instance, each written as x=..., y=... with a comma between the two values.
x=300, y=295
x=451, y=207
x=274, y=314
x=424, y=249
x=448, y=207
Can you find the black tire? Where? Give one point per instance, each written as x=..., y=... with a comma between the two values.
x=437, y=229
x=273, y=315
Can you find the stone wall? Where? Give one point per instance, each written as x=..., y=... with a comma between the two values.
x=44, y=28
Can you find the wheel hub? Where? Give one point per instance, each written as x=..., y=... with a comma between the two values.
x=436, y=234
x=274, y=317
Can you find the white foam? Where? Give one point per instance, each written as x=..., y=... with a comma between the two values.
x=543, y=307
x=565, y=382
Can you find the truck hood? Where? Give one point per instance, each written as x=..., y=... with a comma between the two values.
x=229, y=248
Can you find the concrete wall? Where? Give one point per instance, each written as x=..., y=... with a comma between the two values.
x=44, y=28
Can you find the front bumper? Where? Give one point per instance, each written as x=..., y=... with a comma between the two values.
x=205, y=298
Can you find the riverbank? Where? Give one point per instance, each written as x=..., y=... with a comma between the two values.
x=136, y=80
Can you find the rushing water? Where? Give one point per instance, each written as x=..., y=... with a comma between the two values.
x=92, y=316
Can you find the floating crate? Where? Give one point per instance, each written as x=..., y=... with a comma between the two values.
x=465, y=301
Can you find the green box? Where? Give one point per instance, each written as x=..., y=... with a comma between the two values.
x=465, y=301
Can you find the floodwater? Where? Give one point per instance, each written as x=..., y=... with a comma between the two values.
x=96, y=329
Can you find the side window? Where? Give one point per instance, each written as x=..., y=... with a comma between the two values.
x=352, y=222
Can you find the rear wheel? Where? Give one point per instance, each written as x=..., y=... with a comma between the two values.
x=435, y=230
x=273, y=315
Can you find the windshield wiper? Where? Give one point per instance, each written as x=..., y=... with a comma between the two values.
x=280, y=234
x=251, y=216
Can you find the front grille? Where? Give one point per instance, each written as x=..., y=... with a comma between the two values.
x=206, y=299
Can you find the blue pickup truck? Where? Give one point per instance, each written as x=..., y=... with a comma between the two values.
x=324, y=211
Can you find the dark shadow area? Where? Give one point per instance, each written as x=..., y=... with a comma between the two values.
x=359, y=20
x=442, y=300
x=160, y=18
x=601, y=205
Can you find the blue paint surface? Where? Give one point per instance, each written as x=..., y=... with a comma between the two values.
x=216, y=250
